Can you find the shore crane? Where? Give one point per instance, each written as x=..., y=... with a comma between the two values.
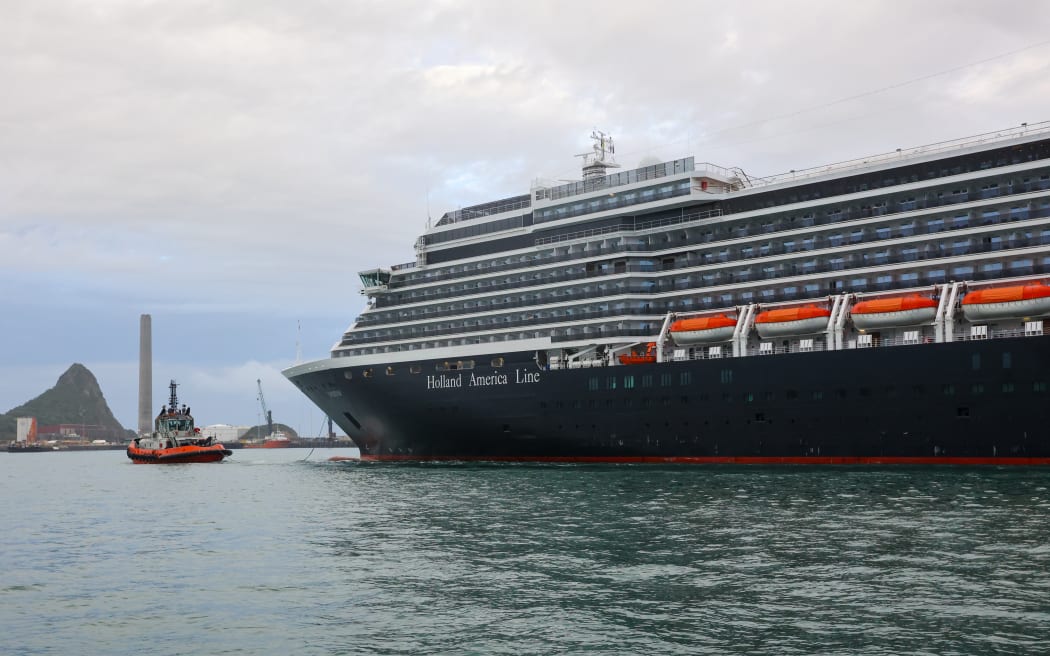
x=266, y=413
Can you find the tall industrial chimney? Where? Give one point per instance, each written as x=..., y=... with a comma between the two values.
x=145, y=374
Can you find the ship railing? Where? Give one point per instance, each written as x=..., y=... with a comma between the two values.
x=877, y=259
x=794, y=346
x=481, y=211
x=1000, y=334
x=557, y=363
x=541, y=191
x=699, y=283
x=904, y=154
x=635, y=227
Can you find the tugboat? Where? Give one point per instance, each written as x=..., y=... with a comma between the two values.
x=175, y=439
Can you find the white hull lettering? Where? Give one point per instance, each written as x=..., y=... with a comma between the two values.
x=521, y=377
x=443, y=381
x=526, y=376
x=483, y=381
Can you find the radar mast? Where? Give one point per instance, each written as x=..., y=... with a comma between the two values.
x=595, y=163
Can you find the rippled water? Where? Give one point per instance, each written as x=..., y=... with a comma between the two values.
x=267, y=554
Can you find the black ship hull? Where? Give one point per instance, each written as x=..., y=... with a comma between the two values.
x=969, y=402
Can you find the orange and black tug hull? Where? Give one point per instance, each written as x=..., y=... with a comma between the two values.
x=177, y=455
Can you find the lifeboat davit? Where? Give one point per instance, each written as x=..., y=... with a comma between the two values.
x=1018, y=301
x=910, y=310
x=792, y=321
x=703, y=330
x=640, y=358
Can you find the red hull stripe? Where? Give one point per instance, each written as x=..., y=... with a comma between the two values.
x=728, y=460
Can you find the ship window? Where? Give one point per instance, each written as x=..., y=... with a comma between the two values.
x=1007, y=360
x=1008, y=388
x=948, y=389
x=665, y=380
x=349, y=375
x=610, y=382
x=497, y=362
x=975, y=361
x=818, y=395
x=628, y=382
x=977, y=388
x=685, y=378
x=415, y=369
x=389, y=371
x=592, y=383
x=647, y=380
x=791, y=394
x=367, y=373
x=1039, y=386
x=727, y=376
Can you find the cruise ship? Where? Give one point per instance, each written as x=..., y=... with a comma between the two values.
x=884, y=310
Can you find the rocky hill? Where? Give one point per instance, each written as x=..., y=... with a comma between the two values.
x=75, y=399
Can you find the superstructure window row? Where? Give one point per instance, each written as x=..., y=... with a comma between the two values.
x=904, y=202
x=613, y=201
x=699, y=299
x=853, y=236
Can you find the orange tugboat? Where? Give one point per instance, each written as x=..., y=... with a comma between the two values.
x=175, y=439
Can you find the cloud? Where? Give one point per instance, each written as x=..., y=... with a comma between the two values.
x=204, y=158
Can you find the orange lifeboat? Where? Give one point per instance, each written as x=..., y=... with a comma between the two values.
x=703, y=330
x=890, y=312
x=792, y=321
x=1016, y=301
x=640, y=358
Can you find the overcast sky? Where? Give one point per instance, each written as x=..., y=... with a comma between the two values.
x=229, y=167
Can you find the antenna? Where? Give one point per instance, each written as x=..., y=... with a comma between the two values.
x=595, y=163
x=298, y=341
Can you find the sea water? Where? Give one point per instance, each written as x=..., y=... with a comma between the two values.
x=282, y=552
